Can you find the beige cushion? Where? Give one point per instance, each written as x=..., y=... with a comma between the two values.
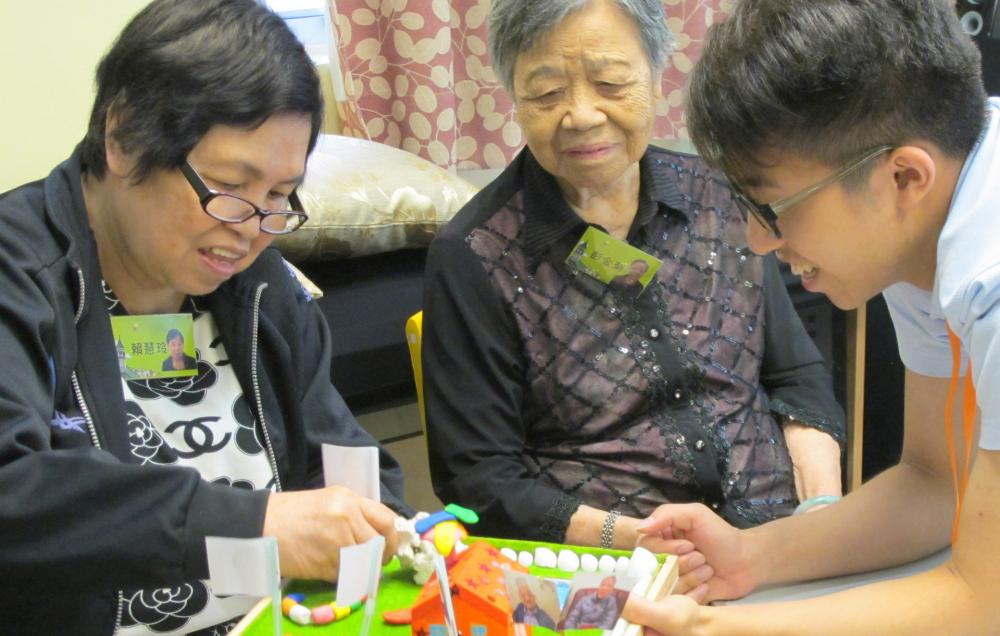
x=364, y=198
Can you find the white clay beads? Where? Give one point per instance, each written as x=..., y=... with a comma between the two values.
x=641, y=563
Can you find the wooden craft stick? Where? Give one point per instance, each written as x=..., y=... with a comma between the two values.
x=640, y=588
x=663, y=583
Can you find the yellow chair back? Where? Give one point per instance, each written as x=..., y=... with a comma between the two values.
x=414, y=332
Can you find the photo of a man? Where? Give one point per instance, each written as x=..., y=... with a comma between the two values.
x=178, y=360
x=591, y=608
x=528, y=610
x=630, y=283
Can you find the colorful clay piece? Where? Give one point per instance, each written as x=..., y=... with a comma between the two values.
x=300, y=614
x=621, y=566
x=320, y=615
x=545, y=557
x=642, y=563
x=606, y=564
x=568, y=561
x=432, y=520
x=463, y=514
x=425, y=535
x=446, y=535
x=398, y=617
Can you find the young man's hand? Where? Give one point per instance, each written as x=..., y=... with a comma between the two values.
x=723, y=573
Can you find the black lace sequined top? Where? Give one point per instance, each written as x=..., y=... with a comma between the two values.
x=545, y=389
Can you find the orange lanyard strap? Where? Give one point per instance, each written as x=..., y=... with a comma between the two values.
x=968, y=426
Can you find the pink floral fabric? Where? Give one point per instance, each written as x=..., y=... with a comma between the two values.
x=417, y=76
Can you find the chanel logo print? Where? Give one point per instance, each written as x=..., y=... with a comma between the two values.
x=199, y=437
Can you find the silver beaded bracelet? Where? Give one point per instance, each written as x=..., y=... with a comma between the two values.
x=608, y=531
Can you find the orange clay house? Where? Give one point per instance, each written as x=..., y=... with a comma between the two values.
x=478, y=592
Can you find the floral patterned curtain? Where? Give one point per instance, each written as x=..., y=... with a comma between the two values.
x=416, y=75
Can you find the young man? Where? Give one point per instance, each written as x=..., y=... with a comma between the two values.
x=862, y=142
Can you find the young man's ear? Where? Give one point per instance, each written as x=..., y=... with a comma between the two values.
x=915, y=172
x=120, y=163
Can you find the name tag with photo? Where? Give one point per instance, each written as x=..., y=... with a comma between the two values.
x=613, y=262
x=155, y=346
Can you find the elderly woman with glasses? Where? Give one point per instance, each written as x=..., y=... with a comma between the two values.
x=565, y=408
x=205, y=113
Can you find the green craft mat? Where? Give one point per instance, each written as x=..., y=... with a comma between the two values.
x=397, y=590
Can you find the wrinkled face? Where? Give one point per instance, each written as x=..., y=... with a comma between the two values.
x=636, y=271
x=527, y=596
x=845, y=244
x=176, y=347
x=607, y=587
x=164, y=238
x=585, y=97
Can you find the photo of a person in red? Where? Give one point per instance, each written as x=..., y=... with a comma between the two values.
x=592, y=608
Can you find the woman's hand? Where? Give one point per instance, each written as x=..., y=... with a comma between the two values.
x=815, y=461
x=313, y=525
x=719, y=569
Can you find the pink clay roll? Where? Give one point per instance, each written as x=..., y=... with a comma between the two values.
x=322, y=615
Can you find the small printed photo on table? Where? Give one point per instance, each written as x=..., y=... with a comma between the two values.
x=595, y=601
x=533, y=601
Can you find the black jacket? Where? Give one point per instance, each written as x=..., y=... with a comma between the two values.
x=80, y=518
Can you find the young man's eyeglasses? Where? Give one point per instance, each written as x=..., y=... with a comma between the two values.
x=767, y=214
x=229, y=208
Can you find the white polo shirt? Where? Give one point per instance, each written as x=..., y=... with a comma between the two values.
x=966, y=292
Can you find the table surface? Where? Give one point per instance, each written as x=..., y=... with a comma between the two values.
x=798, y=591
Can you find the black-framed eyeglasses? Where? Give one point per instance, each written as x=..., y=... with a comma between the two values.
x=230, y=208
x=767, y=213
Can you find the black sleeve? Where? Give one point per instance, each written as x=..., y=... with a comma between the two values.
x=793, y=374
x=474, y=379
x=329, y=420
x=76, y=519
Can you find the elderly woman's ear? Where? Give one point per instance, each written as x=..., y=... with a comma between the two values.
x=120, y=163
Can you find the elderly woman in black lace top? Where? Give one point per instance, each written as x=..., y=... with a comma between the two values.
x=564, y=408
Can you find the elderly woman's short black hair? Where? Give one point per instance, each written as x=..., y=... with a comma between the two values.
x=181, y=67
x=516, y=25
x=831, y=80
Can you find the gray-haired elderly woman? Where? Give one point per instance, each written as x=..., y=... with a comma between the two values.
x=561, y=408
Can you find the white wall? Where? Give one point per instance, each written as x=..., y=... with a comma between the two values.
x=49, y=50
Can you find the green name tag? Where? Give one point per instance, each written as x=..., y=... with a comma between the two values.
x=157, y=346
x=613, y=262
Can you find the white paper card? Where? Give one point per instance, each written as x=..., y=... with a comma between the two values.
x=441, y=570
x=242, y=566
x=356, y=570
x=374, y=576
x=354, y=468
